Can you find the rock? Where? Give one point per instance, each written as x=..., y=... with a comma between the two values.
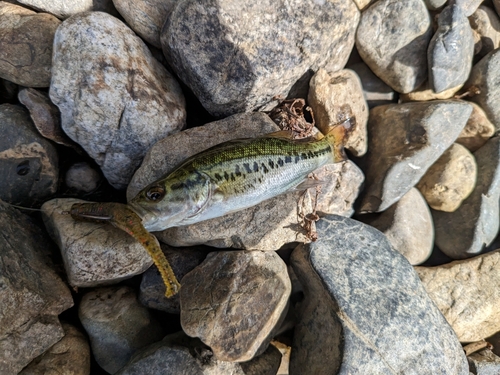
x=335, y=98
x=469, y=6
x=392, y=39
x=484, y=76
x=26, y=45
x=484, y=363
x=496, y=4
x=185, y=356
x=486, y=24
x=450, y=179
x=408, y=227
x=32, y=295
x=375, y=91
x=82, y=177
x=362, y=4
x=234, y=301
x=466, y=293
x=69, y=356
x=361, y=297
x=464, y=232
x=425, y=93
x=404, y=140
x=28, y=162
x=237, y=58
x=8, y=91
x=477, y=131
x=115, y=99
x=94, y=254
x=117, y=325
x=146, y=18
x=152, y=292
x=66, y=8
x=451, y=50
x=434, y=4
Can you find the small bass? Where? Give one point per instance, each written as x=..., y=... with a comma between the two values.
x=235, y=175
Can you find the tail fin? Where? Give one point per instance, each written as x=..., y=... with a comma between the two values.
x=337, y=136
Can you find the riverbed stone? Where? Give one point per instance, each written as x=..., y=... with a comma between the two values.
x=26, y=39
x=486, y=23
x=117, y=325
x=237, y=58
x=82, y=177
x=466, y=292
x=451, y=50
x=234, y=302
x=484, y=362
x=434, y=4
x=28, y=162
x=450, y=179
x=477, y=131
x=375, y=91
x=335, y=98
x=404, y=140
x=32, y=293
x=116, y=100
x=361, y=297
x=464, y=232
x=469, y=6
x=392, y=39
x=424, y=93
x=63, y=9
x=94, y=254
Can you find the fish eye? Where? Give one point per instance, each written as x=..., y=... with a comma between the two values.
x=156, y=193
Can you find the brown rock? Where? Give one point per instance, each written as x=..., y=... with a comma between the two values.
x=477, y=131
x=425, y=93
x=486, y=24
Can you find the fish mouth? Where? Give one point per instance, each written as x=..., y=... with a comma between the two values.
x=149, y=218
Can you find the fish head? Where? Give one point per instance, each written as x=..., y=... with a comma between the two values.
x=170, y=201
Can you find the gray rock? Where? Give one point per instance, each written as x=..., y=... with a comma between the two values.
x=451, y=50
x=28, y=162
x=335, y=98
x=82, y=177
x=469, y=6
x=484, y=363
x=26, y=44
x=404, y=140
x=117, y=325
x=32, y=295
x=465, y=232
x=362, y=297
x=94, y=254
x=477, y=131
x=66, y=8
x=375, y=91
x=69, y=356
x=363, y=4
x=392, y=39
x=183, y=355
x=237, y=58
x=115, y=99
x=234, y=301
x=486, y=24
x=434, y=4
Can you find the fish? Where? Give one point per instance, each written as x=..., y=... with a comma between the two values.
x=236, y=175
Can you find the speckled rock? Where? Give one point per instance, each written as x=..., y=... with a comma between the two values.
x=484, y=362
x=183, y=355
x=477, y=131
x=335, y=98
x=237, y=58
x=434, y=4
x=363, y=4
x=408, y=227
x=117, y=325
x=465, y=232
x=425, y=93
x=243, y=292
x=361, y=297
x=115, y=99
x=375, y=91
x=32, y=295
x=392, y=39
x=82, y=177
x=26, y=45
x=404, y=140
x=28, y=162
x=469, y=6
x=70, y=356
x=466, y=292
x=66, y=8
x=450, y=179
x=451, y=50
x=94, y=254
x=486, y=24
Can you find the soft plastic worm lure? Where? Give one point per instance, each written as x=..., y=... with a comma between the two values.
x=122, y=217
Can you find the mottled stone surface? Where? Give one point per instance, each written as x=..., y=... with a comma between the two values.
x=236, y=58
x=375, y=91
x=392, y=39
x=67, y=8
x=234, y=301
x=486, y=24
x=484, y=362
x=450, y=179
x=466, y=292
x=28, y=162
x=69, y=356
x=26, y=45
x=469, y=6
x=451, y=50
x=434, y=4
x=404, y=140
x=335, y=98
x=32, y=294
x=361, y=290
x=117, y=325
x=82, y=177
x=94, y=254
x=465, y=232
x=115, y=99
x=477, y=131
x=424, y=93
